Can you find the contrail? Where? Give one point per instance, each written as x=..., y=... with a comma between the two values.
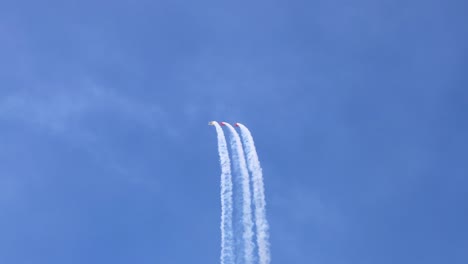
x=227, y=246
x=258, y=195
x=238, y=156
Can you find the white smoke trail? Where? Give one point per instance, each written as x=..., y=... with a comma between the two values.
x=258, y=195
x=227, y=245
x=238, y=156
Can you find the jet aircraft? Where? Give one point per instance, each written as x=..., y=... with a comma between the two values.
x=212, y=123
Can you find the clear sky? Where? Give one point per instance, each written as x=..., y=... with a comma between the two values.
x=359, y=110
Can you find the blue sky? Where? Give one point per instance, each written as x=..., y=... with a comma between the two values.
x=358, y=108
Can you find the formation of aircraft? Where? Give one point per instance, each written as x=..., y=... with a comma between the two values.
x=221, y=123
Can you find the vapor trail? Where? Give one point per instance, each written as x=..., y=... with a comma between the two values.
x=238, y=156
x=227, y=248
x=258, y=195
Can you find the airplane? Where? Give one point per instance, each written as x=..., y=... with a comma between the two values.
x=236, y=124
x=212, y=123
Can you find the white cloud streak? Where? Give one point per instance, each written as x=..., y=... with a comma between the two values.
x=57, y=110
x=227, y=236
x=261, y=222
x=239, y=160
